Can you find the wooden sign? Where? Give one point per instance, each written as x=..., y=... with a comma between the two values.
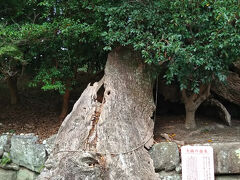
x=197, y=163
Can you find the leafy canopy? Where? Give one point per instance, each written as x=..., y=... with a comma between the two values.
x=197, y=40
x=56, y=40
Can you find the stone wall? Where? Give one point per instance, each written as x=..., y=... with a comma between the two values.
x=23, y=158
x=167, y=160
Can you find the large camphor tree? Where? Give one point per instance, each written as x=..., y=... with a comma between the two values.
x=197, y=40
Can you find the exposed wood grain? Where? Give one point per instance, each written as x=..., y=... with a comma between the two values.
x=106, y=140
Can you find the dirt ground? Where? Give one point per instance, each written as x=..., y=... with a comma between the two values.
x=37, y=111
x=44, y=122
x=23, y=120
x=210, y=130
x=36, y=114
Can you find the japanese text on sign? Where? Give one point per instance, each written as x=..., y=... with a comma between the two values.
x=197, y=163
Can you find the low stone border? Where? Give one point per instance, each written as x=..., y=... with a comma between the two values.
x=22, y=158
x=167, y=160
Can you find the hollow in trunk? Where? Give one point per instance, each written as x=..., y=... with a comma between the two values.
x=107, y=139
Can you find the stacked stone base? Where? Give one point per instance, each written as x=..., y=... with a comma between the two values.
x=167, y=160
x=20, y=174
x=22, y=158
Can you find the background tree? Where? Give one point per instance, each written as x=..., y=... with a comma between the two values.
x=14, y=35
x=56, y=42
x=70, y=44
x=11, y=60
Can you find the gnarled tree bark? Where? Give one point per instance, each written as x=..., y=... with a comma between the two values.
x=106, y=140
x=223, y=112
x=192, y=102
x=230, y=90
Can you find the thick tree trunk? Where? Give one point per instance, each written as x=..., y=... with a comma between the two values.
x=12, y=85
x=65, y=104
x=190, y=122
x=106, y=140
x=192, y=102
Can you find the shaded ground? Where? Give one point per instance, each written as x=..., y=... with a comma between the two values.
x=37, y=113
x=24, y=120
x=42, y=120
x=209, y=130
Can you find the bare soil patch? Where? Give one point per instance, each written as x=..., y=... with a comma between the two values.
x=38, y=111
x=210, y=130
x=36, y=114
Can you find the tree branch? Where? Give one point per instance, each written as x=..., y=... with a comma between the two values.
x=204, y=94
x=184, y=95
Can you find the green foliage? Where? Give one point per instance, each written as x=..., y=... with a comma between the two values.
x=5, y=160
x=12, y=131
x=60, y=52
x=11, y=51
x=11, y=56
x=55, y=43
x=41, y=168
x=196, y=40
